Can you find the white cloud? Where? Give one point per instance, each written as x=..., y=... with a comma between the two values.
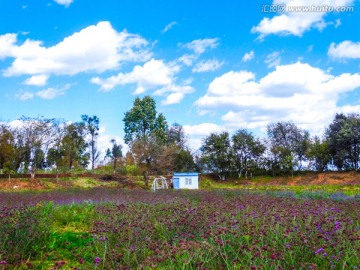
x=37, y=80
x=196, y=133
x=273, y=59
x=337, y=23
x=25, y=95
x=187, y=59
x=248, y=56
x=299, y=92
x=65, y=3
x=296, y=22
x=97, y=48
x=346, y=49
x=103, y=142
x=169, y=26
x=199, y=46
x=7, y=45
x=208, y=65
x=203, y=129
x=153, y=75
x=173, y=98
x=176, y=93
x=51, y=93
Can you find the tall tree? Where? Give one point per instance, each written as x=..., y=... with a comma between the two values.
x=74, y=145
x=343, y=135
x=7, y=149
x=92, y=126
x=146, y=134
x=36, y=135
x=146, y=152
x=142, y=121
x=246, y=149
x=216, y=154
x=338, y=150
x=318, y=154
x=114, y=153
x=55, y=156
x=290, y=142
x=349, y=136
x=176, y=135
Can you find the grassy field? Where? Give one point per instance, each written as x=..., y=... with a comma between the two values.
x=111, y=228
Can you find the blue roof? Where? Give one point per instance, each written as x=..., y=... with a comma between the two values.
x=186, y=174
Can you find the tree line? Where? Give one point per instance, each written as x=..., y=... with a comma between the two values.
x=155, y=147
x=38, y=143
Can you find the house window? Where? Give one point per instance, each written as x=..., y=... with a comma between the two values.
x=188, y=181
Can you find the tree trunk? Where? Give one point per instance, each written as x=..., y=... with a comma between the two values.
x=146, y=179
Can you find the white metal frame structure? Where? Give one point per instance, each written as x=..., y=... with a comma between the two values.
x=159, y=183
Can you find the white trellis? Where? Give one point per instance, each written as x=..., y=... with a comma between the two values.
x=159, y=183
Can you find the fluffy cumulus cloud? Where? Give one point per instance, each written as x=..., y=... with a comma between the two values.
x=153, y=75
x=297, y=17
x=207, y=65
x=346, y=49
x=37, y=80
x=96, y=48
x=65, y=3
x=299, y=92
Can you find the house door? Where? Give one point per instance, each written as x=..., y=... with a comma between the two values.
x=176, y=183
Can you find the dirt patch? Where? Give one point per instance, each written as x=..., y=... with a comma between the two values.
x=309, y=178
x=19, y=184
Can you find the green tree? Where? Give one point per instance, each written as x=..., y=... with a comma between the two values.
x=146, y=152
x=246, y=150
x=146, y=135
x=7, y=149
x=55, y=155
x=216, y=154
x=349, y=139
x=74, y=146
x=92, y=127
x=290, y=144
x=319, y=154
x=142, y=120
x=114, y=154
x=36, y=137
x=337, y=148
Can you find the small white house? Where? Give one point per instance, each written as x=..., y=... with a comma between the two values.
x=186, y=180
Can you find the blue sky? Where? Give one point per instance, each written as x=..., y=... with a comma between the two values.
x=209, y=65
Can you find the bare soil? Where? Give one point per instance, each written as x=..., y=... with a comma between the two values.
x=308, y=178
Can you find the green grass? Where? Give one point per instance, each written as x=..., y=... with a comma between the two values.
x=260, y=184
x=216, y=229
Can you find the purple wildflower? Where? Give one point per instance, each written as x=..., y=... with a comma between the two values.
x=319, y=250
x=97, y=261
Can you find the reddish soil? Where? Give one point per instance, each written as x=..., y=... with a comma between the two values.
x=327, y=178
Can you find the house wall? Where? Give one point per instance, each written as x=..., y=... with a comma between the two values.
x=184, y=184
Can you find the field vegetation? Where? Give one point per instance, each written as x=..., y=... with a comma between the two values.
x=108, y=228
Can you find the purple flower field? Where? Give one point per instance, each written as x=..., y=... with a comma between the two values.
x=117, y=229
